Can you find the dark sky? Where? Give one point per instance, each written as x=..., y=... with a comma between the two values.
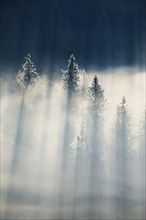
x=100, y=33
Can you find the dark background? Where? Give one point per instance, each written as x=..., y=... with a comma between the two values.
x=100, y=33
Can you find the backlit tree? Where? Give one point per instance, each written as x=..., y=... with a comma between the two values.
x=71, y=77
x=28, y=75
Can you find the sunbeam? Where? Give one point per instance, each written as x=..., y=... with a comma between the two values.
x=58, y=162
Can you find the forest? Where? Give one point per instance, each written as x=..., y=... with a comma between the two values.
x=67, y=153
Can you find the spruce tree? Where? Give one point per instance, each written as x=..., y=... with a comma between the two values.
x=96, y=102
x=28, y=75
x=71, y=84
x=96, y=97
x=25, y=78
x=71, y=76
x=123, y=123
x=122, y=158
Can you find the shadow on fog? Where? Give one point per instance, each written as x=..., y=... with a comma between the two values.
x=17, y=148
x=47, y=181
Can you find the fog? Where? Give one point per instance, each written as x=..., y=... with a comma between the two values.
x=48, y=167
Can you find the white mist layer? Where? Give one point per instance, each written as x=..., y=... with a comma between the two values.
x=33, y=191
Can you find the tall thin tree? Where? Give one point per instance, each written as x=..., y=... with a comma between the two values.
x=122, y=156
x=96, y=103
x=71, y=86
x=71, y=77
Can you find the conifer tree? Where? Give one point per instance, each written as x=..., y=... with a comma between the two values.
x=96, y=97
x=122, y=158
x=96, y=103
x=71, y=77
x=28, y=75
x=71, y=84
x=123, y=124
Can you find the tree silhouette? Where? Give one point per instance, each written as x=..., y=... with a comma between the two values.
x=123, y=124
x=122, y=155
x=96, y=97
x=96, y=103
x=28, y=75
x=71, y=84
x=71, y=77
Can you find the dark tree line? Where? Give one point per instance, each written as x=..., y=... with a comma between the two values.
x=94, y=119
x=86, y=145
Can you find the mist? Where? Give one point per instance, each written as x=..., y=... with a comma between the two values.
x=49, y=167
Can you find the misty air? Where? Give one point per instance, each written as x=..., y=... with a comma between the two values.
x=72, y=110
